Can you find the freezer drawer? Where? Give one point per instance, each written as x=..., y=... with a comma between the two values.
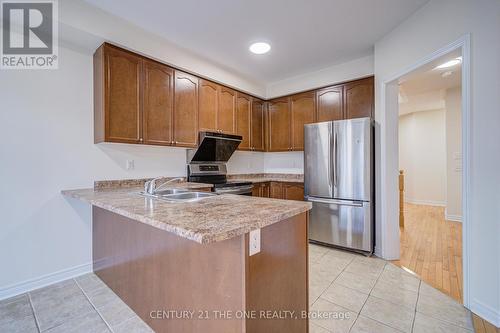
x=342, y=223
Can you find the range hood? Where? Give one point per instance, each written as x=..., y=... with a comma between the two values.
x=215, y=147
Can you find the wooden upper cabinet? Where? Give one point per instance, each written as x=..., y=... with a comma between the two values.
x=118, y=103
x=209, y=101
x=227, y=111
x=279, y=125
x=185, y=110
x=243, y=120
x=358, y=97
x=257, y=125
x=302, y=109
x=330, y=104
x=158, y=103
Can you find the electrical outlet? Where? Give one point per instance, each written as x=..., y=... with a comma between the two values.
x=254, y=243
x=130, y=165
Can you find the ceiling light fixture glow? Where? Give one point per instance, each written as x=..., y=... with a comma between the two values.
x=259, y=48
x=450, y=63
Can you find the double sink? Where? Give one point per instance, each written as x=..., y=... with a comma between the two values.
x=178, y=195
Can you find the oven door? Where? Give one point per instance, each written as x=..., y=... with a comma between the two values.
x=241, y=190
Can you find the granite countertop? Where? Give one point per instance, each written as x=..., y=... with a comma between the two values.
x=268, y=177
x=206, y=221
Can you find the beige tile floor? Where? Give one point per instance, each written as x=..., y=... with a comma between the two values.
x=351, y=292
x=370, y=295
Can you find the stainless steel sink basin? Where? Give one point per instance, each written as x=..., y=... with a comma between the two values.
x=179, y=195
x=187, y=196
x=170, y=191
x=165, y=192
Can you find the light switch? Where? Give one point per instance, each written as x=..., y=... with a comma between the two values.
x=254, y=242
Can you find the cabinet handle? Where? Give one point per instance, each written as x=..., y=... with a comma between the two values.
x=141, y=139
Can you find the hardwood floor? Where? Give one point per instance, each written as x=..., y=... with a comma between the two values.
x=431, y=247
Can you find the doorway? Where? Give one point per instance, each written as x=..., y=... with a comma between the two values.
x=430, y=181
x=387, y=187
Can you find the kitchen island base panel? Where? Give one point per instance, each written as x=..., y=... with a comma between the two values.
x=204, y=286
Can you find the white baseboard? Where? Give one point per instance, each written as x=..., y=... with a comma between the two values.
x=486, y=312
x=455, y=218
x=425, y=202
x=44, y=280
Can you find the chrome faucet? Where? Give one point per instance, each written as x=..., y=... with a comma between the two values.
x=151, y=188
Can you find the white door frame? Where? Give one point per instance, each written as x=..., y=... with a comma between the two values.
x=389, y=156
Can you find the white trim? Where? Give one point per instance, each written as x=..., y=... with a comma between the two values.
x=43, y=281
x=389, y=246
x=425, y=202
x=452, y=217
x=455, y=218
x=486, y=312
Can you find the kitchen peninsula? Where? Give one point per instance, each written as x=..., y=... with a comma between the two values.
x=192, y=261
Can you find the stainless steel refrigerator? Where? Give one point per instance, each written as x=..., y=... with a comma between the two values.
x=339, y=181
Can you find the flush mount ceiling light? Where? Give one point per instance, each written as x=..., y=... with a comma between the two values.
x=450, y=63
x=259, y=48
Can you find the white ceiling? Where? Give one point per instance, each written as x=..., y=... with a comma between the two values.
x=305, y=35
x=425, y=88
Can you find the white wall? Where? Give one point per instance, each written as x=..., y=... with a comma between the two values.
x=434, y=26
x=453, y=154
x=285, y=162
x=422, y=156
x=350, y=70
x=85, y=26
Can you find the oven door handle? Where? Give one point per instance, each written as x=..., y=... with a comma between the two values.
x=235, y=190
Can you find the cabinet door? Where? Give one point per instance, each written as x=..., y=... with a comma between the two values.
x=227, y=110
x=257, y=125
x=358, y=97
x=265, y=190
x=158, y=103
x=302, y=108
x=123, y=108
x=276, y=190
x=209, y=100
x=330, y=104
x=243, y=111
x=257, y=190
x=185, y=110
x=279, y=125
x=293, y=192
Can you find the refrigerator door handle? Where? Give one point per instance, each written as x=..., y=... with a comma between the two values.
x=336, y=202
x=329, y=159
x=335, y=159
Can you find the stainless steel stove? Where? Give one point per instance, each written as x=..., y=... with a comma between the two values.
x=207, y=164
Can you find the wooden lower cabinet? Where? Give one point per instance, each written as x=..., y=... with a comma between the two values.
x=293, y=191
x=261, y=190
x=279, y=190
x=153, y=271
x=276, y=190
x=287, y=191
